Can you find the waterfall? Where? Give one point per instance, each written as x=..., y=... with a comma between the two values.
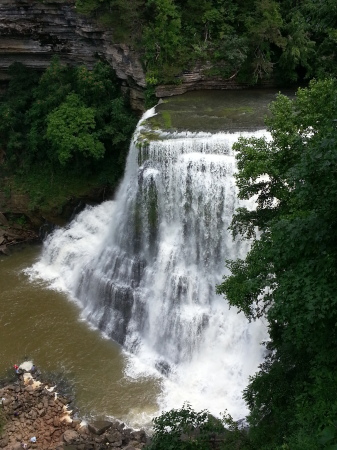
x=144, y=267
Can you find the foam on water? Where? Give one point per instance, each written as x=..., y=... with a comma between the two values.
x=144, y=267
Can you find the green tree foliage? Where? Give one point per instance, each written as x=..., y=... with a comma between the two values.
x=298, y=49
x=252, y=40
x=264, y=27
x=186, y=429
x=69, y=122
x=19, y=99
x=162, y=36
x=70, y=129
x=124, y=16
x=53, y=87
x=289, y=275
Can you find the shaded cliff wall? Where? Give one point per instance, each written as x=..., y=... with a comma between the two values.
x=31, y=32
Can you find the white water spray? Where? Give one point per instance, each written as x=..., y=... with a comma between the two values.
x=143, y=269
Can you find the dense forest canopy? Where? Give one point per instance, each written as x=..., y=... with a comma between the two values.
x=251, y=40
x=289, y=275
x=63, y=128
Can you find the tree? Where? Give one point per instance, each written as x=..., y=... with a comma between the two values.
x=64, y=129
x=251, y=40
x=17, y=100
x=264, y=34
x=53, y=87
x=71, y=130
x=162, y=36
x=186, y=429
x=289, y=275
x=125, y=17
x=298, y=49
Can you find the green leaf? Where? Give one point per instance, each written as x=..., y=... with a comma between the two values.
x=327, y=435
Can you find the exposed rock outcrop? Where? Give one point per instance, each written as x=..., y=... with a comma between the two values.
x=36, y=418
x=198, y=78
x=11, y=234
x=31, y=32
x=15, y=235
x=196, y=81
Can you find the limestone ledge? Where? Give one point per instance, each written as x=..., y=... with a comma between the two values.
x=31, y=32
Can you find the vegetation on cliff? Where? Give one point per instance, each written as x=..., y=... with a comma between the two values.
x=289, y=275
x=63, y=131
x=288, y=278
x=249, y=40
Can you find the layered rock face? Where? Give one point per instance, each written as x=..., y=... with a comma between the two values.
x=31, y=32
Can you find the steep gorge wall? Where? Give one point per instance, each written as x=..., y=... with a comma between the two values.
x=31, y=32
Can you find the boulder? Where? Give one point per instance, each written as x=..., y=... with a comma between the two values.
x=56, y=421
x=4, y=250
x=6, y=401
x=70, y=436
x=3, y=220
x=4, y=441
x=30, y=410
x=115, y=437
x=27, y=366
x=99, y=426
x=16, y=446
x=139, y=436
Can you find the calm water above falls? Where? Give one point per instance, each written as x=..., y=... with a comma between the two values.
x=143, y=269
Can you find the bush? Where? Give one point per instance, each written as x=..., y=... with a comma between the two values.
x=186, y=429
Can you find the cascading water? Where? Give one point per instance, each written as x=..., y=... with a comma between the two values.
x=144, y=269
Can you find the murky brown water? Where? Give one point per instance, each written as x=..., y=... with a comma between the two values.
x=43, y=325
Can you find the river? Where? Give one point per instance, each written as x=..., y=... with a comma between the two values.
x=43, y=325
x=205, y=351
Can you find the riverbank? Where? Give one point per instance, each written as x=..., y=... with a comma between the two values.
x=14, y=234
x=34, y=416
x=22, y=223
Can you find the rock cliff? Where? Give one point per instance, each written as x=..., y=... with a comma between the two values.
x=31, y=32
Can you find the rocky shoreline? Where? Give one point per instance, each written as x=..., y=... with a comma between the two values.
x=34, y=416
x=12, y=234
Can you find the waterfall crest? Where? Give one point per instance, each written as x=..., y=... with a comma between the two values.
x=143, y=269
